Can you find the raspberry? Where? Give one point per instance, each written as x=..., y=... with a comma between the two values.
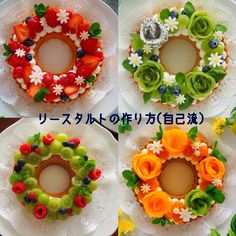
x=40, y=211
x=80, y=201
x=38, y=150
x=32, y=195
x=95, y=174
x=48, y=79
x=71, y=77
x=75, y=140
x=48, y=139
x=69, y=211
x=17, y=72
x=25, y=149
x=18, y=188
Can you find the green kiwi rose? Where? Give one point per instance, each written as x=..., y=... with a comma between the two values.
x=149, y=76
x=201, y=25
x=199, y=84
x=198, y=202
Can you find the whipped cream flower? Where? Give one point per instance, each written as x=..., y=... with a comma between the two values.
x=147, y=48
x=171, y=24
x=180, y=99
x=197, y=153
x=218, y=34
x=168, y=79
x=135, y=60
x=20, y=52
x=58, y=89
x=37, y=76
x=155, y=147
x=217, y=182
x=145, y=188
x=63, y=16
x=185, y=214
x=84, y=35
x=176, y=210
x=215, y=60
x=196, y=145
x=79, y=80
x=43, y=21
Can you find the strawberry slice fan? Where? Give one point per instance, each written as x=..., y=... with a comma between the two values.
x=41, y=84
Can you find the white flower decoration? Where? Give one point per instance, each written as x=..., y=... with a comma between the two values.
x=218, y=34
x=155, y=147
x=185, y=214
x=145, y=188
x=84, y=35
x=79, y=80
x=37, y=76
x=135, y=60
x=58, y=89
x=43, y=21
x=215, y=60
x=168, y=79
x=197, y=153
x=20, y=52
x=147, y=48
x=217, y=182
x=171, y=24
x=180, y=99
x=63, y=16
x=176, y=210
x=196, y=145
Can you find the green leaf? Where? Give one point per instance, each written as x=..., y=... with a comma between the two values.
x=91, y=79
x=132, y=179
x=217, y=74
x=37, y=138
x=216, y=153
x=41, y=94
x=189, y=9
x=121, y=129
x=123, y=234
x=147, y=97
x=209, y=188
x=163, y=221
x=216, y=194
x=129, y=127
x=7, y=52
x=159, y=134
x=136, y=42
x=180, y=78
x=164, y=14
x=221, y=28
x=156, y=221
x=188, y=102
x=90, y=165
x=40, y=9
x=231, y=233
x=128, y=67
x=192, y=133
x=233, y=223
x=214, y=232
x=95, y=29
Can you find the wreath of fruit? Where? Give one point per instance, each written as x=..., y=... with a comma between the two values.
x=53, y=23
x=181, y=89
x=38, y=151
x=147, y=166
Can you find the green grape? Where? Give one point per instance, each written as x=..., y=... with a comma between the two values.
x=34, y=158
x=76, y=181
x=66, y=201
x=54, y=204
x=62, y=137
x=55, y=147
x=74, y=191
x=37, y=191
x=43, y=198
x=31, y=183
x=30, y=207
x=82, y=173
x=15, y=177
x=183, y=21
x=93, y=185
x=30, y=168
x=19, y=156
x=81, y=151
x=76, y=162
x=44, y=149
x=88, y=197
x=90, y=165
x=62, y=217
x=67, y=152
x=51, y=216
x=76, y=210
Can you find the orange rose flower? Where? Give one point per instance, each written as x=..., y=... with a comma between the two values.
x=211, y=168
x=175, y=141
x=146, y=166
x=156, y=204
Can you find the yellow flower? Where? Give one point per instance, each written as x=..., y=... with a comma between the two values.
x=233, y=127
x=125, y=224
x=218, y=126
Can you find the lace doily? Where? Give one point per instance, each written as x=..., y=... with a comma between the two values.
x=218, y=216
x=222, y=11
x=13, y=12
x=99, y=216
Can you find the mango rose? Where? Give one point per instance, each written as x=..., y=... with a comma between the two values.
x=175, y=141
x=211, y=168
x=146, y=166
x=156, y=204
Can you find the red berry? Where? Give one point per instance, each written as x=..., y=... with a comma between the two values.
x=18, y=188
x=48, y=79
x=83, y=71
x=65, y=28
x=71, y=77
x=34, y=24
x=48, y=139
x=40, y=211
x=17, y=72
x=75, y=140
x=83, y=85
x=99, y=54
x=25, y=149
x=90, y=45
x=69, y=211
x=63, y=80
x=32, y=195
x=13, y=45
x=37, y=150
x=95, y=174
x=51, y=16
x=80, y=201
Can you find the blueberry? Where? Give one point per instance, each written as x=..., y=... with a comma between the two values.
x=69, y=144
x=154, y=57
x=28, y=57
x=85, y=157
x=28, y=42
x=34, y=147
x=176, y=90
x=66, y=144
x=213, y=43
x=34, y=200
x=139, y=52
x=27, y=199
x=174, y=14
x=205, y=69
x=27, y=19
x=62, y=211
x=21, y=162
x=86, y=181
x=64, y=97
x=162, y=89
x=80, y=53
x=17, y=168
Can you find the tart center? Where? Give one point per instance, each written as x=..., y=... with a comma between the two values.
x=179, y=54
x=55, y=53
x=178, y=177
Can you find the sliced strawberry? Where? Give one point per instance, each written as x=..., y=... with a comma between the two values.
x=33, y=89
x=51, y=16
x=51, y=96
x=34, y=24
x=71, y=77
x=17, y=72
x=27, y=71
x=91, y=62
x=17, y=61
x=83, y=71
x=48, y=79
x=90, y=45
x=83, y=27
x=71, y=89
x=75, y=21
x=22, y=32
x=63, y=80
x=99, y=54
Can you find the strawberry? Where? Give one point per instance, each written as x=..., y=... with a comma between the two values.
x=91, y=62
x=99, y=54
x=48, y=79
x=90, y=46
x=51, y=96
x=65, y=28
x=34, y=24
x=22, y=32
x=33, y=89
x=17, y=61
x=17, y=72
x=48, y=139
x=83, y=71
x=71, y=89
x=83, y=27
x=71, y=77
x=75, y=21
x=63, y=80
x=51, y=16
x=26, y=73
x=13, y=45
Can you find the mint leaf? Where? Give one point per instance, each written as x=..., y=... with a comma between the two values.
x=7, y=52
x=40, y=9
x=164, y=14
x=128, y=67
x=216, y=194
x=180, y=78
x=163, y=221
x=90, y=80
x=189, y=9
x=41, y=94
x=156, y=221
x=188, y=102
x=192, y=133
x=216, y=153
x=147, y=97
x=159, y=134
x=233, y=223
x=95, y=29
x=217, y=74
x=132, y=179
x=221, y=28
x=136, y=42
x=124, y=126
x=37, y=138
x=121, y=129
x=214, y=232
